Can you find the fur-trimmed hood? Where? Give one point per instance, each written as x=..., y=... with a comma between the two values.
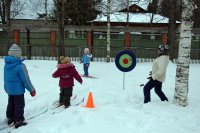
x=65, y=65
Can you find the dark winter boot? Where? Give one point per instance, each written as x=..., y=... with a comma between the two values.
x=146, y=101
x=165, y=100
x=67, y=106
x=10, y=122
x=60, y=104
x=67, y=102
x=20, y=123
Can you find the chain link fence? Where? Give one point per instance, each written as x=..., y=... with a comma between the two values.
x=3, y=43
x=143, y=45
x=146, y=40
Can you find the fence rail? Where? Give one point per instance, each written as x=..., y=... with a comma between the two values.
x=143, y=45
x=98, y=52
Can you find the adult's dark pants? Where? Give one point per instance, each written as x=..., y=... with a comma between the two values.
x=15, y=107
x=158, y=90
x=65, y=95
x=85, y=67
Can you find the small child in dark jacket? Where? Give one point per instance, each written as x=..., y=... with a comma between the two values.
x=66, y=72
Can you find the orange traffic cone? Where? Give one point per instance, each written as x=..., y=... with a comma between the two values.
x=90, y=103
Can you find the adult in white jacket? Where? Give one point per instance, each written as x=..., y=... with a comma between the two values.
x=158, y=75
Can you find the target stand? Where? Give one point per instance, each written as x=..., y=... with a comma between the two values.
x=125, y=61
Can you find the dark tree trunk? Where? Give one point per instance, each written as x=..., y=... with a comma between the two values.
x=8, y=23
x=172, y=24
x=28, y=44
x=60, y=11
x=3, y=12
x=61, y=30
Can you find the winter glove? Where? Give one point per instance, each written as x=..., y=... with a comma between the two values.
x=33, y=93
x=89, y=55
x=150, y=78
x=150, y=73
x=141, y=85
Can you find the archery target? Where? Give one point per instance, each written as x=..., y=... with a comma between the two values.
x=125, y=61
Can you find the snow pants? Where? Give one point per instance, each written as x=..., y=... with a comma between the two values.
x=158, y=90
x=86, y=67
x=65, y=95
x=15, y=107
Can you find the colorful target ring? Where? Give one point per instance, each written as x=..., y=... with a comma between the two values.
x=125, y=61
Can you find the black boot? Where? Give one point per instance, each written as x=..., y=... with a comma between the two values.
x=146, y=101
x=67, y=104
x=10, y=122
x=20, y=123
x=165, y=100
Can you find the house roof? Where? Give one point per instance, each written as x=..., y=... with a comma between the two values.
x=31, y=9
x=134, y=9
x=29, y=13
x=118, y=5
x=133, y=18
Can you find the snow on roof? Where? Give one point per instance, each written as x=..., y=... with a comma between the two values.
x=133, y=18
x=117, y=5
x=27, y=15
x=142, y=3
x=31, y=8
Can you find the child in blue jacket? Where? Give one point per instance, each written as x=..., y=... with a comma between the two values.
x=16, y=79
x=86, y=61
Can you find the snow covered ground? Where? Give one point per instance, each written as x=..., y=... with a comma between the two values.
x=116, y=110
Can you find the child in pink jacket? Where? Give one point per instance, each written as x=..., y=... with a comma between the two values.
x=66, y=72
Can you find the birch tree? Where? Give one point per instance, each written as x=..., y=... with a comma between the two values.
x=127, y=17
x=108, y=31
x=108, y=9
x=182, y=70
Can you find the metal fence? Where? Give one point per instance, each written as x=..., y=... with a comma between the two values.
x=143, y=45
x=146, y=40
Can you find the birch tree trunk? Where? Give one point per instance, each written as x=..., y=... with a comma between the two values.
x=45, y=7
x=182, y=70
x=127, y=16
x=108, y=32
